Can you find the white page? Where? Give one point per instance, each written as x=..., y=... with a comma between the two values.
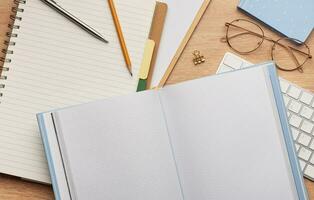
x=180, y=16
x=56, y=64
x=226, y=138
x=118, y=149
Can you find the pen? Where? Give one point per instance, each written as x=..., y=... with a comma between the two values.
x=77, y=21
x=120, y=36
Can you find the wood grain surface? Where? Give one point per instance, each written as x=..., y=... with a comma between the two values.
x=206, y=39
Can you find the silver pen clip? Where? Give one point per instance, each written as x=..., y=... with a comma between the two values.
x=53, y=4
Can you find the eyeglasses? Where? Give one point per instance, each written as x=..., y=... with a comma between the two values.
x=244, y=37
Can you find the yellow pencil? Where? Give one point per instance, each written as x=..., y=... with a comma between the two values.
x=120, y=36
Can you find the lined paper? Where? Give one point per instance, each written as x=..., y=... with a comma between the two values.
x=57, y=64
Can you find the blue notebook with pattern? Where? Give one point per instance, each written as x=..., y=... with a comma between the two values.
x=292, y=18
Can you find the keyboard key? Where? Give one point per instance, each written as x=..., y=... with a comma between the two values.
x=309, y=171
x=294, y=92
x=295, y=106
x=232, y=62
x=225, y=69
x=312, y=145
x=304, y=139
x=307, y=127
x=284, y=86
x=306, y=112
x=295, y=120
x=295, y=133
x=306, y=98
x=312, y=160
x=302, y=164
x=297, y=147
x=245, y=65
x=286, y=100
x=304, y=153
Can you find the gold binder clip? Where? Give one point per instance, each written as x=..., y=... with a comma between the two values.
x=198, y=58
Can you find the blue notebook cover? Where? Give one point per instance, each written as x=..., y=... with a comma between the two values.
x=292, y=18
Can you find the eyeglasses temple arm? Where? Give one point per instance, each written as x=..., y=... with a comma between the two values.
x=309, y=55
x=252, y=32
x=261, y=36
x=293, y=49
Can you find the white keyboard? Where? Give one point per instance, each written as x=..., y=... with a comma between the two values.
x=300, y=109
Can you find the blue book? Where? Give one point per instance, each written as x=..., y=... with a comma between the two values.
x=292, y=18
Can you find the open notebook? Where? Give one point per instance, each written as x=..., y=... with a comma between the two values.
x=203, y=139
x=54, y=63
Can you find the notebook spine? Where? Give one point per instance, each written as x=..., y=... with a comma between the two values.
x=15, y=18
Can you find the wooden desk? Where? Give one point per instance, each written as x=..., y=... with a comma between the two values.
x=206, y=39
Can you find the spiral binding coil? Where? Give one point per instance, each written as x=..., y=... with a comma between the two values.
x=14, y=17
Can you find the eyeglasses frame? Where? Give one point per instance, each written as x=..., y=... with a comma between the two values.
x=299, y=66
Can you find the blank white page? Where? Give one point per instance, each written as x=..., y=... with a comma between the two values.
x=118, y=149
x=180, y=16
x=227, y=139
x=56, y=64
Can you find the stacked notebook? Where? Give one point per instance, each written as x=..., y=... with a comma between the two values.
x=52, y=63
x=182, y=142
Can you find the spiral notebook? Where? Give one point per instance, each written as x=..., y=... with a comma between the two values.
x=52, y=63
